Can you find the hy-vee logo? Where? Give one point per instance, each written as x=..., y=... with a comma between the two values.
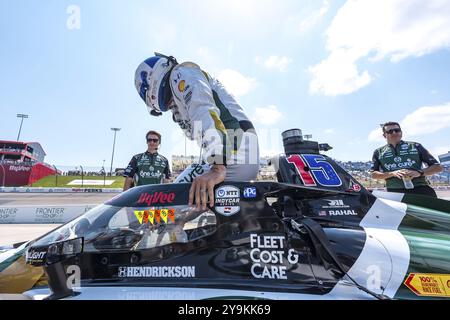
x=156, y=198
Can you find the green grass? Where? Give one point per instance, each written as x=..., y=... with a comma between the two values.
x=50, y=182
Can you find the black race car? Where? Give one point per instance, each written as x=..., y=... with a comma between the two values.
x=315, y=234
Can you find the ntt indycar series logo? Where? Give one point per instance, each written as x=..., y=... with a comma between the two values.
x=157, y=272
x=227, y=200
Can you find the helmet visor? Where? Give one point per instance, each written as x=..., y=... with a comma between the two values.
x=164, y=93
x=144, y=85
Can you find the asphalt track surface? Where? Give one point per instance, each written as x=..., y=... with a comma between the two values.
x=14, y=233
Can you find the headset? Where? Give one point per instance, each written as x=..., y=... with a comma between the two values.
x=169, y=58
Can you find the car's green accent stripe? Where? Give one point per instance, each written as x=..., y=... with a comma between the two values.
x=429, y=253
x=428, y=202
x=427, y=232
x=6, y=263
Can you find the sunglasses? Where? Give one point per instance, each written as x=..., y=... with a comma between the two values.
x=393, y=130
x=152, y=140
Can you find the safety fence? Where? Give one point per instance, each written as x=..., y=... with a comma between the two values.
x=58, y=190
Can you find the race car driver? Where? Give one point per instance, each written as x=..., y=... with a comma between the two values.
x=207, y=113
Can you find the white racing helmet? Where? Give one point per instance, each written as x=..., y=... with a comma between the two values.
x=152, y=82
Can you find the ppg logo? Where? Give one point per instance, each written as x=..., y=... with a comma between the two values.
x=250, y=192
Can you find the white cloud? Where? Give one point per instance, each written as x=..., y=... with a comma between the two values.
x=337, y=75
x=329, y=131
x=309, y=16
x=236, y=83
x=424, y=120
x=315, y=17
x=266, y=115
x=375, y=30
x=376, y=135
x=274, y=62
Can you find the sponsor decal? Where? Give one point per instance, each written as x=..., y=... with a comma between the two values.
x=192, y=172
x=429, y=284
x=342, y=213
x=188, y=97
x=314, y=169
x=398, y=159
x=154, y=88
x=156, y=198
x=163, y=214
x=227, y=200
x=150, y=174
x=171, y=215
x=32, y=256
x=393, y=166
x=86, y=189
x=404, y=146
x=157, y=272
x=335, y=203
x=48, y=214
x=322, y=213
x=19, y=168
x=270, y=257
x=250, y=192
x=353, y=186
x=181, y=85
x=155, y=216
x=8, y=214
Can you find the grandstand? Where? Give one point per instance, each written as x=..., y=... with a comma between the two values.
x=445, y=159
x=22, y=163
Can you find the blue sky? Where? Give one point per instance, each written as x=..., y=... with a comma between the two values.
x=335, y=69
